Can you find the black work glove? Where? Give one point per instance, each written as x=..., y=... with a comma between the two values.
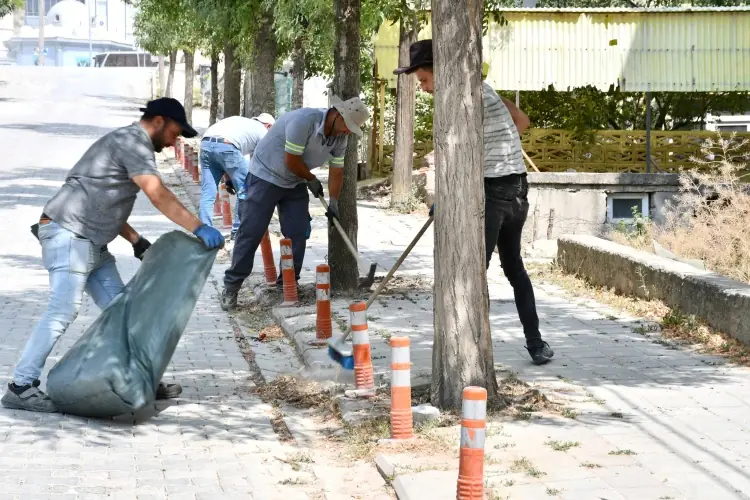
x=333, y=210
x=432, y=210
x=230, y=186
x=315, y=187
x=140, y=247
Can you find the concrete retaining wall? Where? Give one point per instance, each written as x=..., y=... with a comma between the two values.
x=724, y=303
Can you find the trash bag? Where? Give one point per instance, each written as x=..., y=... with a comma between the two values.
x=116, y=365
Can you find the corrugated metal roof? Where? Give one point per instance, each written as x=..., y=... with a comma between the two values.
x=627, y=10
x=667, y=50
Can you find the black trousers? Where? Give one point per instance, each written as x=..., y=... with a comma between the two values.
x=506, y=208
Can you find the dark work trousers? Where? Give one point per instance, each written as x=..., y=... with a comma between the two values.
x=506, y=207
x=255, y=215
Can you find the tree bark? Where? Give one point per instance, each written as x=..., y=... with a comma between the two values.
x=346, y=84
x=214, y=107
x=403, y=152
x=232, y=82
x=189, y=82
x=162, y=83
x=170, y=74
x=462, y=352
x=298, y=74
x=262, y=87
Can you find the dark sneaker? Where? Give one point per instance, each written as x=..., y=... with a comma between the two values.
x=540, y=353
x=168, y=391
x=228, y=300
x=27, y=397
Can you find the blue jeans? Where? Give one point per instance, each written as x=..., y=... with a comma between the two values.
x=294, y=217
x=75, y=265
x=217, y=159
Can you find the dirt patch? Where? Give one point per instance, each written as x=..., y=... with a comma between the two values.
x=405, y=284
x=297, y=392
x=680, y=329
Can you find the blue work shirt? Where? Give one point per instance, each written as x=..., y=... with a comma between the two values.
x=299, y=132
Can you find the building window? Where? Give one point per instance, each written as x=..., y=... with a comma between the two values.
x=622, y=206
x=32, y=6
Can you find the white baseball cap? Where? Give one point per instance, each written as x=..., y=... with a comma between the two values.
x=354, y=112
x=265, y=118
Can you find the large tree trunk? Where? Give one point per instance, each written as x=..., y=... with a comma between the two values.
x=170, y=74
x=462, y=352
x=189, y=82
x=261, y=74
x=403, y=152
x=298, y=74
x=232, y=82
x=346, y=84
x=214, y=107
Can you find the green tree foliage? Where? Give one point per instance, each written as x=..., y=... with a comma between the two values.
x=8, y=6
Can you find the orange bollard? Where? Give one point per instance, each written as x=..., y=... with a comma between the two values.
x=187, y=158
x=287, y=274
x=217, y=205
x=401, y=418
x=196, y=167
x=323, y=324
x=269, y=266
x=226, y=208
x=471, y=461
x=363, y=375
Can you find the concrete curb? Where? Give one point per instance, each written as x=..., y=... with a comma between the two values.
x=432, y=484
x=724, y=303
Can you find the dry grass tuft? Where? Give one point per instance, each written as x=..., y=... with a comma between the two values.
x=297, y=392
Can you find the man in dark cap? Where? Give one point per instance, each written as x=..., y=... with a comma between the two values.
x=89, y=211
x=505, y=191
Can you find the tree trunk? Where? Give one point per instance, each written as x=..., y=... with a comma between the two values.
x=189, y=82
x=298, y=74
x=162, y=83
x=170, y=75
x=214, y=107
x=261, y=75
x=232, y=82
x=346, y=84
x=462, y=352
x=403, y=152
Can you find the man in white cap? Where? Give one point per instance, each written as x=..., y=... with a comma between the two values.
x=224, y=147
x=280, y=175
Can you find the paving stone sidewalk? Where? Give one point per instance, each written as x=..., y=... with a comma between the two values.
x=680, y=420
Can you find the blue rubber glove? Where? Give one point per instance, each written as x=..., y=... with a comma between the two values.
x=210, y=236
x=432, y=210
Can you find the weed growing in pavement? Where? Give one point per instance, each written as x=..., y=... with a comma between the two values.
x=292, y=481
x=619, y=452
x=524, y=465
x=591, y=465
x=553, y=491
x=570, y=413
x=562, y=445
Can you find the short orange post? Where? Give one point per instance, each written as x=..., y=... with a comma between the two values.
x=196, y=167
x=287, y=274
x=187, y=158
x=471, y=461
x=269, y=266
x=363, y=374
x=217, y=205
x=226, y=208
x=323, y=324
x=401, y=418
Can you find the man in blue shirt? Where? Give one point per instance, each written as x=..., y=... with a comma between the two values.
x=223, y=149
x=279, y=175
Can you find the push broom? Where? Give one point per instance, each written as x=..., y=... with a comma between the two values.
x=337, y=350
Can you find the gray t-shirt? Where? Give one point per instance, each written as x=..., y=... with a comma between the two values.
x=299, y=132
x=98, y=194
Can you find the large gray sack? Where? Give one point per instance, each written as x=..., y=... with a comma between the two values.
x=116, y=365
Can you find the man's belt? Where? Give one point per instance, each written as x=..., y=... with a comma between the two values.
x=217, y=139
